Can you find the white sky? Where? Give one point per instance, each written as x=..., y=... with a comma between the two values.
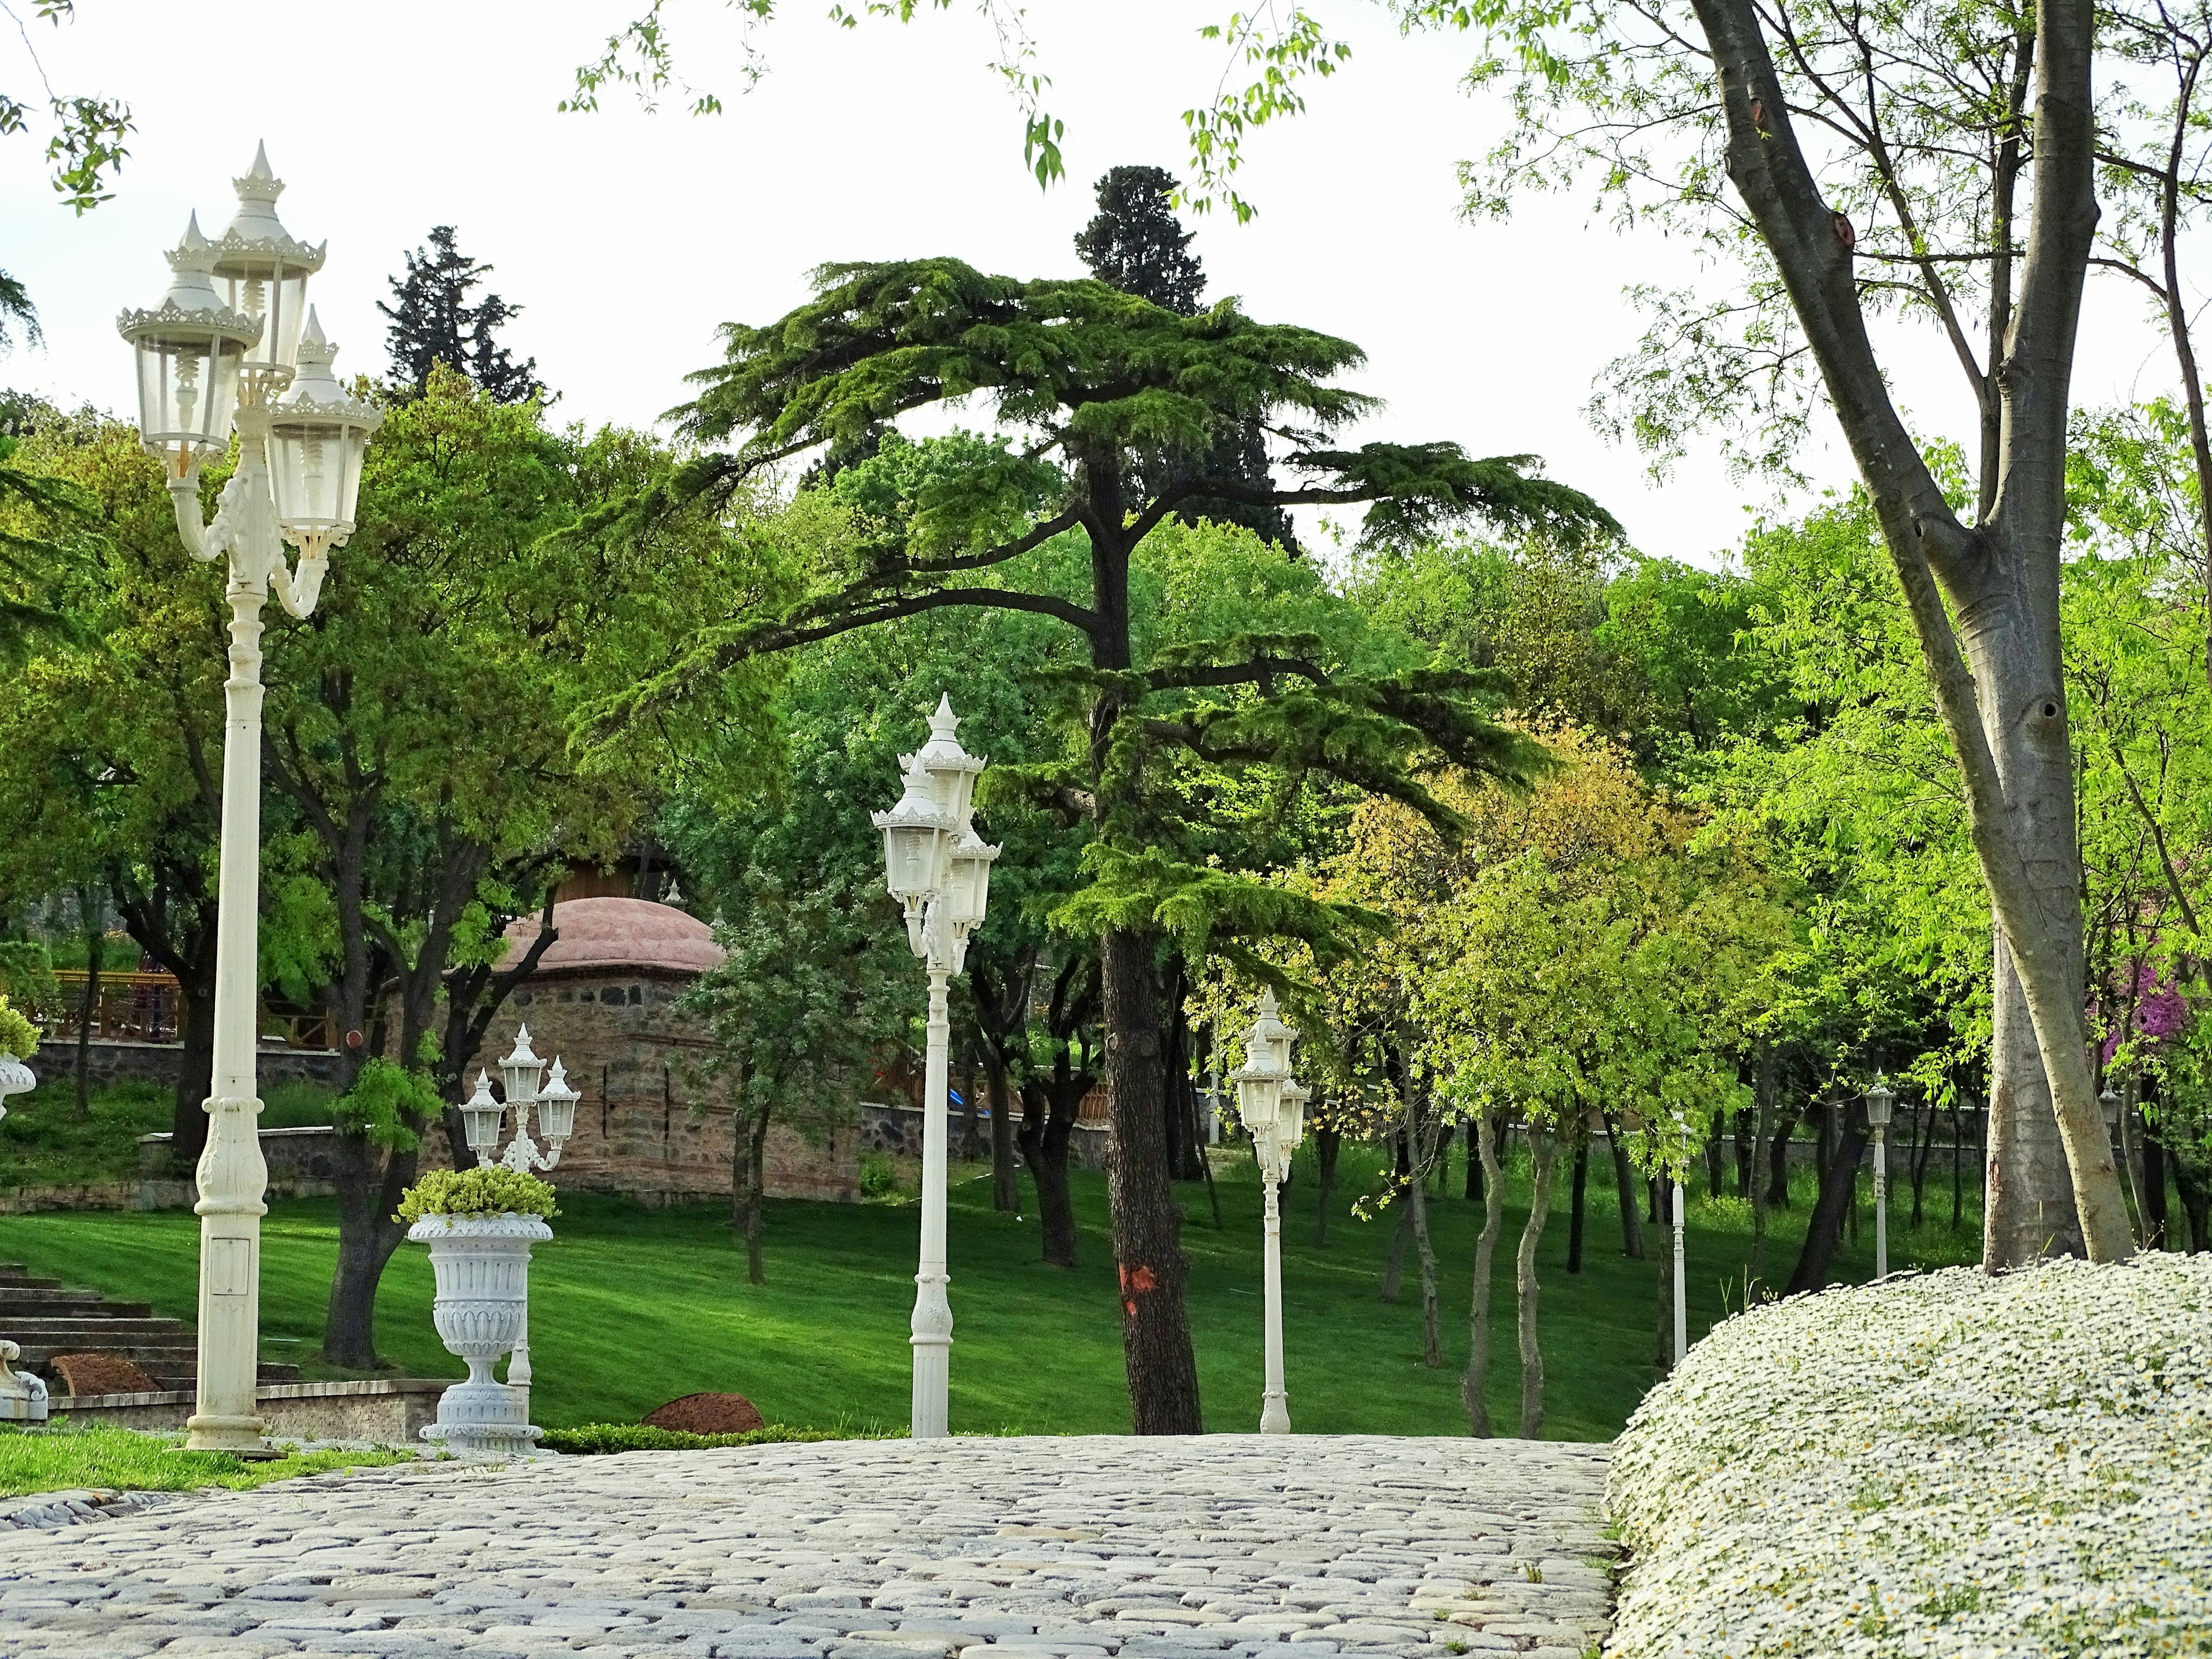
x=628, y=236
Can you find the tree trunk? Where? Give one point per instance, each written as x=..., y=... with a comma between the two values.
x=1778, y=1158
x=1996, y=674
x=195, y=1074
x=1543, y=1148
x=1328, y=1143
x=1624, y=1187
x=2195, y=1204
x=88, y=1010
x=1578, y=1203
x=1923, y=1145
x=1958, y=1163
x=1006, y=1183
x=369, y=1184
x=1394, y=1269
x=1714, y=1155
x=1417, y=1212
x=2157, y=1224
x=1745, y=1157
x=1838, y=1188
x=756, y=1210
x=1762, y=1095
x=1476, y=1380
x=1047, y=1122
x=1474, y=1127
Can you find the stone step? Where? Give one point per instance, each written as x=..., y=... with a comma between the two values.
x=16, y=1303
x=97, y=1333
x=14, y=1276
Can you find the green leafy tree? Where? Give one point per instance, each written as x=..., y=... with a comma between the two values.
x=816, y=984
x=1093, y=377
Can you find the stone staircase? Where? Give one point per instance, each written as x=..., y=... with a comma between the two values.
x=45, y=1319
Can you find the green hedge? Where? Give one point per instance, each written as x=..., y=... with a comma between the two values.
x=598, y=1439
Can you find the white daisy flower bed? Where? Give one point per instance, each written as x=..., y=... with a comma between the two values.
x=1943, y=1464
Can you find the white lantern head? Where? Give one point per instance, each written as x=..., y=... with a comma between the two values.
x=952, y=769
x=2109, y=1103
x=556, y=1105
x=318, y=434
x=1291, y=1127
x=263, y=269
x=190, y=349
x=916, y=836
x=1878, y=1100
x=519, y=1071
x=968, y=887
x=480, y=1117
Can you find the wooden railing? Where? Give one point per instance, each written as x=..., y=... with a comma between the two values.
x=137, y=1007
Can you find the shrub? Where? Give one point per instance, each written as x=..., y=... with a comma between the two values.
x=600, y=1439
x=878, y=1176
x=18, y=1036
x=494, y=1191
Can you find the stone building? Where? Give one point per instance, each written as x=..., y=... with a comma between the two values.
x=650, y=1123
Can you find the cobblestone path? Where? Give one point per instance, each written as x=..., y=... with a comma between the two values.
x=1224, y=1548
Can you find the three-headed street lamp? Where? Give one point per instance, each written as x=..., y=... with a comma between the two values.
x=232, y=343
x=1272, y=1105
x=939, y=870
x=482, y=1117
x=1881, y=1100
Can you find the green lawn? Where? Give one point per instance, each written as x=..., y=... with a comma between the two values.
x=631, y=1307
x=44, y=1142
x=65, y=1458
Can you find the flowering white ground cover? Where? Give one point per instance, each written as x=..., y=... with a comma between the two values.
x=1946, y=1463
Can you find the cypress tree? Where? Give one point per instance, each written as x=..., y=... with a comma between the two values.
x=434, y=323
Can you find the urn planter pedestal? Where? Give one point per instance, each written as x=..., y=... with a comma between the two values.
x=483, y=1267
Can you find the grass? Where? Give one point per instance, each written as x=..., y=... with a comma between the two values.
x=65, y=1458
x=45, y=1143
x=632, y=1307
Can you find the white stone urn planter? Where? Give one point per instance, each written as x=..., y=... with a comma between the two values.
x=483, y=1265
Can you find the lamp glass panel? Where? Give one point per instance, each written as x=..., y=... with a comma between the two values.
x=967, y=891
x=910, y=859
x=521, y=1081
x=187, y=390
x=310, y=466
x=482, y=1123
x=277, y=293
x=556, y=1113
x=1258, y=1099
x=1879, y=1103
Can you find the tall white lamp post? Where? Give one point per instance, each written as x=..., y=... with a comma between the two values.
x=1272, y=1105
x=1682, y=1290
x=224, y=344
x=1879, y=1101
x=939, y=870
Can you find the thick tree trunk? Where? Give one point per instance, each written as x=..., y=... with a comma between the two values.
x=1624, y=1187
x=748, y=1183
x=1838, y=1186
x=1996, y=674
x=1476, y=1380
x=88, y=1010
x=1543, y=1148
x=195, y=1074
x=369, y=1184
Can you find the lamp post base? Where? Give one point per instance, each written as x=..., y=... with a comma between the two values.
x=1274, y=1413
x=239, y=1437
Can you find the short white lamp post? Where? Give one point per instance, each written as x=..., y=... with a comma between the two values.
x=939, y=870
x=1272, y=1105
x=1879, y=1101
x=2108, y=1103
x=22, y=1393
x=481, y=1117
x=231, y=335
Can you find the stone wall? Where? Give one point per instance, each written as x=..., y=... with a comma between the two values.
x=896, y=1129
x=109, y=1062
x=651, y=1124
x=388, y=1411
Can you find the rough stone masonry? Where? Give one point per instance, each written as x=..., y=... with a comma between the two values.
x=1034, y=1548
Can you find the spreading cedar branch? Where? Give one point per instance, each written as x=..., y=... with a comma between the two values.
x=1086, y=374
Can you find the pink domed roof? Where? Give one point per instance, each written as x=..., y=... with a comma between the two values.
x=603, y=934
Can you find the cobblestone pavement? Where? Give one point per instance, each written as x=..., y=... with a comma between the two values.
x=1227, y=1547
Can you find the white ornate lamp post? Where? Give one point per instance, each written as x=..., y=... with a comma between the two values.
x=22, y=1393
x=939, y=870
x=1272, y=1105
x=1879, y=1102
x=206, y=358
x=1680, y=1188
x=481, y=1116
